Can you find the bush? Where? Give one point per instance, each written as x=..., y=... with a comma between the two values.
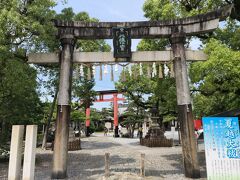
x=127, y=135
x=100, y=128
x=4, y=154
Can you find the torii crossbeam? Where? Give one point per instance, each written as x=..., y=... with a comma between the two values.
x=107, y=57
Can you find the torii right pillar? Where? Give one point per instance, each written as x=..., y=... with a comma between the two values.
x=185, y=116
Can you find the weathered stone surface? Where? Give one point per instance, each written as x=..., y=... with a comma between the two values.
x=29, y=153
x=155, y=135
x=188, y=140
x=190, y=158
x=156, y=142
x=106, y=57
x=43, y=58
x=16, y=152
x=221, y=13
x=60, y=154
x=146, y=29
x=74, y=145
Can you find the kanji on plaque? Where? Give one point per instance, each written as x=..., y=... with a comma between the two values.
x=222, y=148
x=122, y=42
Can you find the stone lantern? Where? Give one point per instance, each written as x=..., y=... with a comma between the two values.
x=155, y=132
x=155, y=135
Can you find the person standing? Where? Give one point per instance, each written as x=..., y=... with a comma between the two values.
x=140, y=131
x=119, y=129
x=105, y=131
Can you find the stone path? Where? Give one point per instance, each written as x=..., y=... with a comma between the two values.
x=88, y=163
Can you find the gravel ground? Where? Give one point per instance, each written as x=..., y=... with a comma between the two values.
x=88, y=163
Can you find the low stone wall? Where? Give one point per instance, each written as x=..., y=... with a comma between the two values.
x=156, y=142
x=74, y=145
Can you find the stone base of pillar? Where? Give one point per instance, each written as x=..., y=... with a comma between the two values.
x=116, y=132
x=189, y=146
x=60, y=154
x=59, y=175
x=88, y=132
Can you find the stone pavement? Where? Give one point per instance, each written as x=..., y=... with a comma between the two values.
x=88, y=163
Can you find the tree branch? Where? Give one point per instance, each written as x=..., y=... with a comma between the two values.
x=137, y=101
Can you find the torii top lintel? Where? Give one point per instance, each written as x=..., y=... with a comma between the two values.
x=107, y=92
x=146, y=29
x=115, y=93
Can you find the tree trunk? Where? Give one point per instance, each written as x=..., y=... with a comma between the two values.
x=79, y=128
x=132, y=130
x=179, y=133
x=44, y=142
x=3, y=132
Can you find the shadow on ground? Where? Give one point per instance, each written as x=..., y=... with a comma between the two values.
x=80, y=166
x=178, y=164
x=98, y=145
x=83, y=165
x=135, y=143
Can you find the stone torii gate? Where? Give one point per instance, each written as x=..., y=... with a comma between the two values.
x=176, y=30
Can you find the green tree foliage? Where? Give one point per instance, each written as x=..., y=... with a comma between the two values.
x=24, y=26
x=144, y=92
x=211, y=94
x=83, y=91
x=131, y=118
x=153, y=45
x=217, y=81
x=107, y=113
x=136, y=89
x=169, y=9
x=160, y=9
x=78, y=115
x=19, y=100
x=96, y=118
x=229, y=34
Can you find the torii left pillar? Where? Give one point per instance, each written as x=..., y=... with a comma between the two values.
x=60, y=154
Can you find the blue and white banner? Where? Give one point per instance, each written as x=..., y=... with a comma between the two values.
x=222, y=147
